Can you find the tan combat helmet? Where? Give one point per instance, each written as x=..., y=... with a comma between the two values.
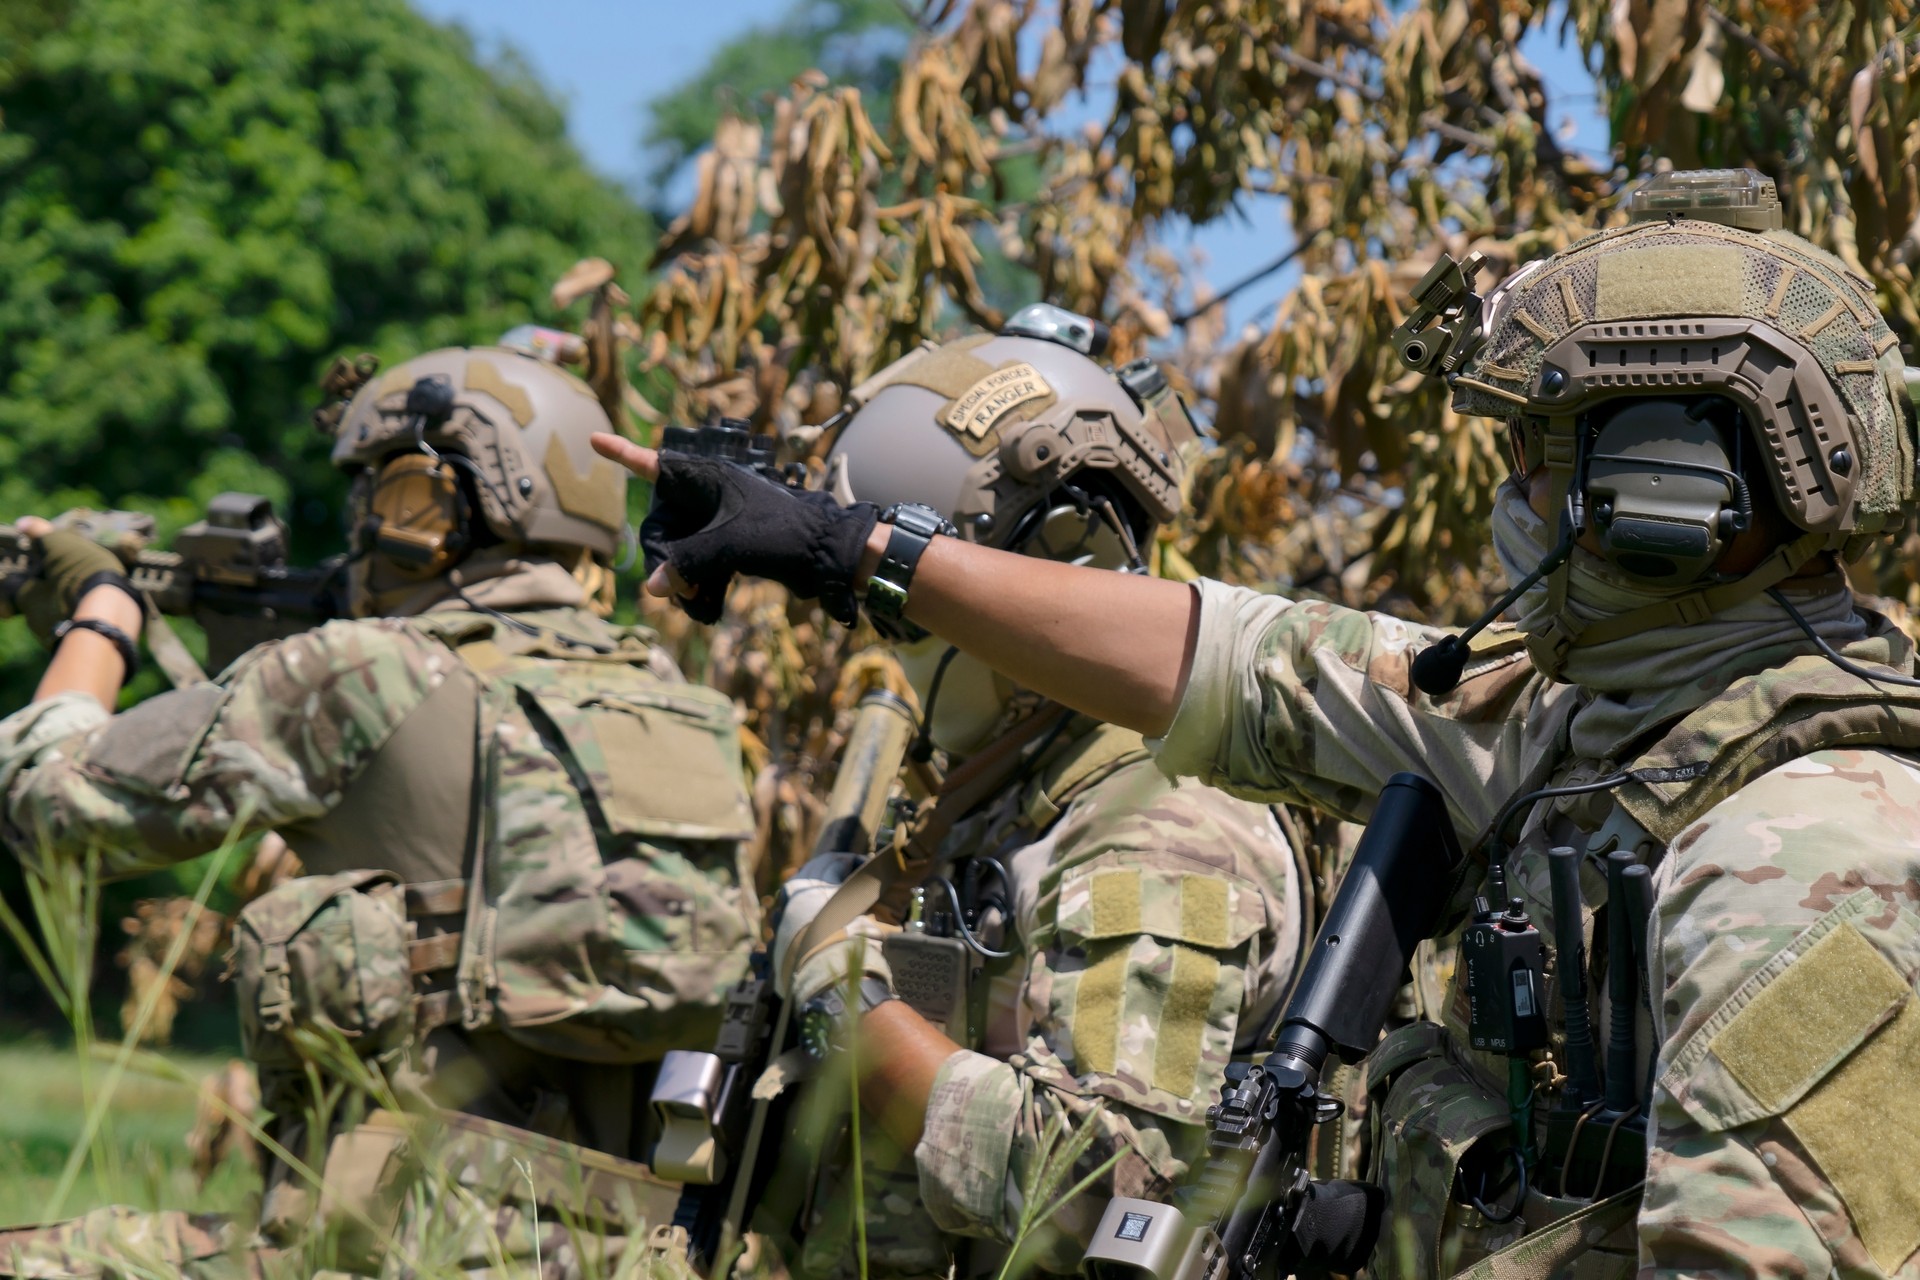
x=1607, y=359
x=987, y=428
x=1026, y=443
x=466, y=447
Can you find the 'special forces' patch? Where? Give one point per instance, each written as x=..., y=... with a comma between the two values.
x=974, y=411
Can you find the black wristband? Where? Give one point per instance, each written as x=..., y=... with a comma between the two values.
x=119, y=582
x=122, y=642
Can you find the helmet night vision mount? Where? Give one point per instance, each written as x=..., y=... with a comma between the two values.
x=1670, y=374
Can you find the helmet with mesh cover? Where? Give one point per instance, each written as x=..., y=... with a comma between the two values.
x=1679, y=302
x=1677, y=375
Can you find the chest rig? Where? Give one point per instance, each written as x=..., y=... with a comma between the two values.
x=959, y=917
x=1560, y=1154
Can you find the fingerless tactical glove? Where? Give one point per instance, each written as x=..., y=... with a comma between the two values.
x=711, y=519
x=70, y=564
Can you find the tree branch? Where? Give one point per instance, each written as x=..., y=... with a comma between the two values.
x=1298, y=247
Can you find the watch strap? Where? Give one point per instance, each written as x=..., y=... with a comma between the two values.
x=912, y=527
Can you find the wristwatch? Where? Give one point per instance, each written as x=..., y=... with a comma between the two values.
x=914, y=525
x=826, y=1028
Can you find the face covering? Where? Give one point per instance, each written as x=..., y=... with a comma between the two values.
x=1662, y=672
x=971, y=701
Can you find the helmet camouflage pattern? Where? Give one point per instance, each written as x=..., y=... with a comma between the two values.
x=1702, y=293
x=521, y=423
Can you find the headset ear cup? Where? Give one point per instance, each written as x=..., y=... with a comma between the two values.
x=418, y=516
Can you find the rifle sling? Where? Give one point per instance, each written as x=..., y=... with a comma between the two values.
x=169, y=652
x=966, y=786
x=1545, y=1253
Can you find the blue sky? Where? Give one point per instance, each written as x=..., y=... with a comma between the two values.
x=606, y=58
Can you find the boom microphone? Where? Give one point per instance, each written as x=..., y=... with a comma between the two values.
x=1438, y=667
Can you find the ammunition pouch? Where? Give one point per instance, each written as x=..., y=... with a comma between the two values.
x=337, y=958
x=1431, y=1116
x=319, y=959
x=1436, y=1127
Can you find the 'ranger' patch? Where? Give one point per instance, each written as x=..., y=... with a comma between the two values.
x=976, y=409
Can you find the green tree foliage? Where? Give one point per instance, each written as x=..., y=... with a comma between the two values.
x=856, y=42
x=201, y=201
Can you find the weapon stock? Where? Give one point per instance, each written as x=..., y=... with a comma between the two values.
x=1248, y=1195
x=714, y=1133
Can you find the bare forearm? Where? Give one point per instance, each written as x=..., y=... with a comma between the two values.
x=89, y=663
x=900, y=1055
x=1113, y=645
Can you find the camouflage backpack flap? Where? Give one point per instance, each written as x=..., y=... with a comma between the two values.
x=324, y=954
x=612, y=810
x=1756, y=725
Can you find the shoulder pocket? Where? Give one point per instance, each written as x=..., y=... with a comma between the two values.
x=662, y=762
x=1150, y=976
x=1821, y=1041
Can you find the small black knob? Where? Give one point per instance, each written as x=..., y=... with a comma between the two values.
x=1841, y=460
x=1553, y=381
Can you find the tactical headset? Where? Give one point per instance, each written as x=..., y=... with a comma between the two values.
x=417, y=516
x=1658, y=482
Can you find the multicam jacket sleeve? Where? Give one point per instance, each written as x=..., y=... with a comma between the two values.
x=276, y=741
x=1159, y=926
x=1315, y=703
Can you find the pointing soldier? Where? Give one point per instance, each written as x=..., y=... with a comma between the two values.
x=1708, y=418
x=1127, y=934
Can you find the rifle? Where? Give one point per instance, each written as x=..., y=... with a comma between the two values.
x=1252, y=1195
x=716, y=1126
x=228, y=572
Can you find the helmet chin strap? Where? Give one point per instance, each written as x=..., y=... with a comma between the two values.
x=921, y=749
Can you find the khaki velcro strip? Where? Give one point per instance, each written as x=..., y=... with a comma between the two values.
x=1203, y=911
x=1856, y=366
x=484, y=377
x=1669, y=280
x=1181, y=1033
x=1096, y=1006
x=945, y=372
x=1534, y=327
x=1576, y=314
x=1886, y=343
x=1827, y=317
x=1116, y=904
x=1793, y=1031
x=1779, y=297
x=1862, y=1125
x=1502, y=371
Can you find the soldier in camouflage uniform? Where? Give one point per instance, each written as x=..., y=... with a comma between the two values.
x=1709, y=418
x=1141, y=931
x=522, y=830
